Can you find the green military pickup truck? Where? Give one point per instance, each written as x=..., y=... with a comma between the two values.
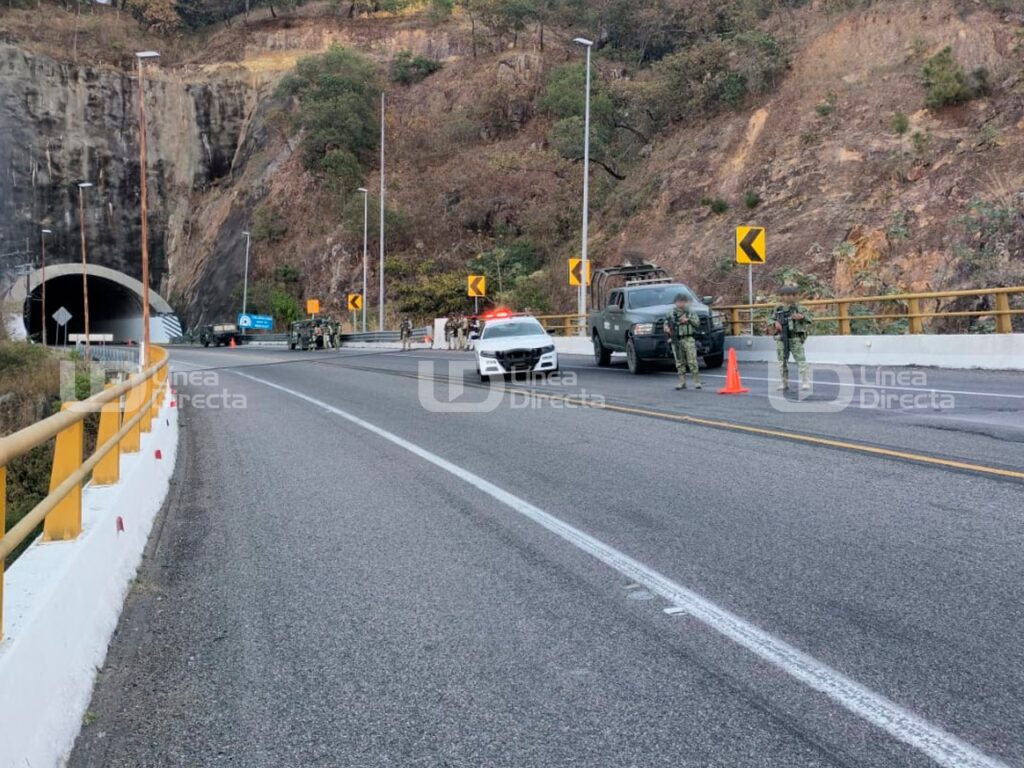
x=629, y=305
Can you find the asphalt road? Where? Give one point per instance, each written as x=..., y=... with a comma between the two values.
x=349, y=574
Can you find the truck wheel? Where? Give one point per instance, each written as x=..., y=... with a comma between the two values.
x=636, y=365
x=292, y=345
x=206, y=343
x=714, y=361
x=602, y=355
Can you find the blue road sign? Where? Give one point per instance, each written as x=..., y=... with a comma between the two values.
x=256, y=322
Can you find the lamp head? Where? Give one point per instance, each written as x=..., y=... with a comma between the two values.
x=583, y=41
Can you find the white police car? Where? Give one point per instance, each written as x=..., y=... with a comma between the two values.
x=514, y=344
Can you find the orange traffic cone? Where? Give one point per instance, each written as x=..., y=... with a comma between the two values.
x=733, y=385
x=232, y=342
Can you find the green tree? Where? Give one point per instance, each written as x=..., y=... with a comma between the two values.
x=946, y=82
x=564, y=98
x=337, y=96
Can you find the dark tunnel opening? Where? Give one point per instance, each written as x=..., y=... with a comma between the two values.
x=113, y=309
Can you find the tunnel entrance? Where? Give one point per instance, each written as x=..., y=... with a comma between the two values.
x=115, y=304
x=113, y=309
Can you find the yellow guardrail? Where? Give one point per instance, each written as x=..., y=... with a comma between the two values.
x=909, y=307
x=846, y=312
x=126, y=411
x=563, y=325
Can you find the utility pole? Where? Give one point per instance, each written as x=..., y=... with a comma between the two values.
x=141, y=57
x=245, y=282
x=42, y=253
x=82, y=186
x=380, y=321
x=366, y=215
x=582, y=296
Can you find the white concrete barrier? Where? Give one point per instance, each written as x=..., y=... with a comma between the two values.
x=996, y=351
x=62, y=601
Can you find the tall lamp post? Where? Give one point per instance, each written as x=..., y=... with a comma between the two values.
x=366, y=216
x=142, y=57
x=82, y=186
x=585, y=266
x=380, y=321
x=245, y=282
x=42, y=285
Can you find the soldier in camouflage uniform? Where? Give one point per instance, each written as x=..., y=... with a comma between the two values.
x=797, y=322
x=405, y=333
x=681, y=326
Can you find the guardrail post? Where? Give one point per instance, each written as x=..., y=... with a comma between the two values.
x=844, y=318
x=65, y=521
x=132, y=441
x=108, y=471
x=1004, y=321
x=736, y=323
x=914, y=313
x=3, y=529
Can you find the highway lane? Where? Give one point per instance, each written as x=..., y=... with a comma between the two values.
x=320, y=596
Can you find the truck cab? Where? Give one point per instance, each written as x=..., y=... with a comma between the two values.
x=630, y=304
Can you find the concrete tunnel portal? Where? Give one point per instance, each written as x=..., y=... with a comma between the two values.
x=115, y=304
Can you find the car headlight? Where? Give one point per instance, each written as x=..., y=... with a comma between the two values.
x=488, y=354
x=643, y=329
x=548, y=348
x=717, y=320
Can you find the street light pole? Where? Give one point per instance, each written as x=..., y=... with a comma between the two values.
x=245, y=282
x=585, y=266
x=366, y=216
x=42, y=254
x=144, y=205
x=380, y=320
x=82, y=186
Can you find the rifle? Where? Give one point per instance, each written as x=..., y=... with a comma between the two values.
x=782, y=318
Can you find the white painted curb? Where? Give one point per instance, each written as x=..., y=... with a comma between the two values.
x=63, y=601
x=996, y=351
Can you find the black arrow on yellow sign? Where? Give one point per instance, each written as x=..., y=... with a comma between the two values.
x=748, y=249
x=476, y=285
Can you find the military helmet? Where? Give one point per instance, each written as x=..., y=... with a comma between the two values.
x=681, y=297
x=789, y=290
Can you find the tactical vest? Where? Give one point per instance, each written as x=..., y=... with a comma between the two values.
x=680, y=324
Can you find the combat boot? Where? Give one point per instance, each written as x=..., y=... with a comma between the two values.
x=682, y=381
x=696, y=381
x=805, y=384
x=784, y=385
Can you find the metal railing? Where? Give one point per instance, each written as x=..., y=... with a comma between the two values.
x=126, y=410
x=563, y=325
x=898, y=312
x=850, y=315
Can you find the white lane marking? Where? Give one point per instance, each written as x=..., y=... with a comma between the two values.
x=836, y=384
x=944, y=748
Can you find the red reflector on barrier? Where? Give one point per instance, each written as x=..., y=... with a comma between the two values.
x=120, y=524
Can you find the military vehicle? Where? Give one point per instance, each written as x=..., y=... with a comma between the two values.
x=302, y=335
x=629, y=306
x=220, y=333
x=314, y=334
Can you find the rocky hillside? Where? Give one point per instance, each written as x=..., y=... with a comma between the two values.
x=877, y=159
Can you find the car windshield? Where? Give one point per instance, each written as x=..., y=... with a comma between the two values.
x=656, y=296
x=516, y=328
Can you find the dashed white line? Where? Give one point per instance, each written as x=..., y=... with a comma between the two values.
x=944, y=748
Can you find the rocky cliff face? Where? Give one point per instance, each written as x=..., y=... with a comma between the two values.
x=64, y=123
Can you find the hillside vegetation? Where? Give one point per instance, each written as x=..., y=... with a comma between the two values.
x=879, y=142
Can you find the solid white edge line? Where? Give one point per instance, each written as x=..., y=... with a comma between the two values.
x=942, y=747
